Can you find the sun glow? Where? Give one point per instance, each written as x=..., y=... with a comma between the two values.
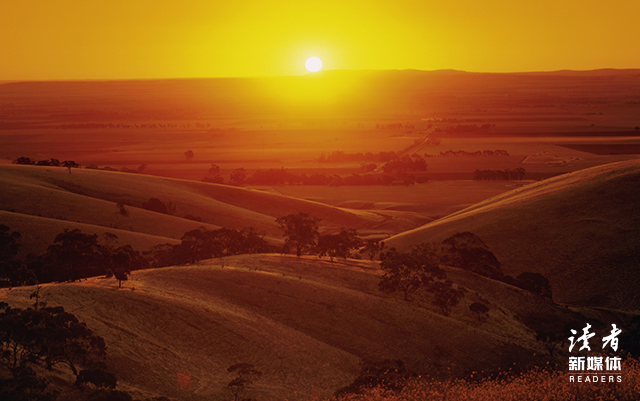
x=313, y=64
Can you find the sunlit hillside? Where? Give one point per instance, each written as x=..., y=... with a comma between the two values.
x=307, y=324
x=581, y=230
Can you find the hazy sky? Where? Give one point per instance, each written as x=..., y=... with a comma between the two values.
x=99, y=39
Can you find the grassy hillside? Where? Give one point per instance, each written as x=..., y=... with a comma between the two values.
x=90, y=197
x=581, y=230
x=307, y=324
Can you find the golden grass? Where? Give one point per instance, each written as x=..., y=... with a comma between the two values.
x=578, y=229
x=90, y=197
x=533, y=385
x=306, y=323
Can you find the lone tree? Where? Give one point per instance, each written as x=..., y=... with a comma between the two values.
x=300, y=230
x=467, y=251
x=535, y=282
x=445, y=296
x=372, y=248
x=247, y=374
x=70, y=164
x=238, y=176
x=407, y=272
x=189, y=154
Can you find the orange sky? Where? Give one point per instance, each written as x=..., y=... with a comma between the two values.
x=120, y=39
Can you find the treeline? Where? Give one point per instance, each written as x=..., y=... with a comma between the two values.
x=49, y=337
x=201, y=244
x=49, y=162
x=406, y=163
x=129, y=126
x=71, y=164
x=461, y=129
x=72, y=256
x=420, y=269
x=395, y=126
x=339, y=156
x=285, y=177
x=499, y=175
x=477, y=153
x=75, y=255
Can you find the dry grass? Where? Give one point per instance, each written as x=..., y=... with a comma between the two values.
x=90, y=197
x=307, y=324
x=580, y=230
x=534, y=385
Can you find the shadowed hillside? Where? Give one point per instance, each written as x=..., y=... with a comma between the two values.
x=581, y=230
x=307, y=324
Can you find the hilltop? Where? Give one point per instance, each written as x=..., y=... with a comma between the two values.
x=580, y=230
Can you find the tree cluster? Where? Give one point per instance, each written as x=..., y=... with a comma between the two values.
x=50, y=162
x=408, y=272
x=72, y=256
x=246, y=375
x=406, y=163
x=340, y=157
x=338, y=245
x=140, y=168
x=301, y=236
x=477, y=153
x=201, y=243
x=95, y=125
x=461, y=129
x=395, y=126
x=47, y=337
x=158, y=206
x=499, y=175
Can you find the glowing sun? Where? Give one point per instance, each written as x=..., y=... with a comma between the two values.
x=313, y=64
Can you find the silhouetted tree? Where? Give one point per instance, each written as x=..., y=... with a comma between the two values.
x=9, y=245
x=407, y=272
x=97, y=377
x=467, y=251
x=246, y=375
x=48, y=335
x=238, y=176
x=23, y=160
x=122, y=209
x=445, y=296
x=214, y=169
x=338, y=245
x=189, y=154
x=70, y=164
x=155, y=205
x=478, y=308
x=300, y=231
x=373, y=248
x=535, y=282
x=74, y=255
x=122, y=262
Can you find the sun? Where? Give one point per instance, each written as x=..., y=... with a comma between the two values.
x=313, y=64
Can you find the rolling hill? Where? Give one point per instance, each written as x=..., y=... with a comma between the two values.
x=306, y=323
x=41, y=201
x=580, y=230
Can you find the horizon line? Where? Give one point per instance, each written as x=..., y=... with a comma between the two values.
x=321, y=72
